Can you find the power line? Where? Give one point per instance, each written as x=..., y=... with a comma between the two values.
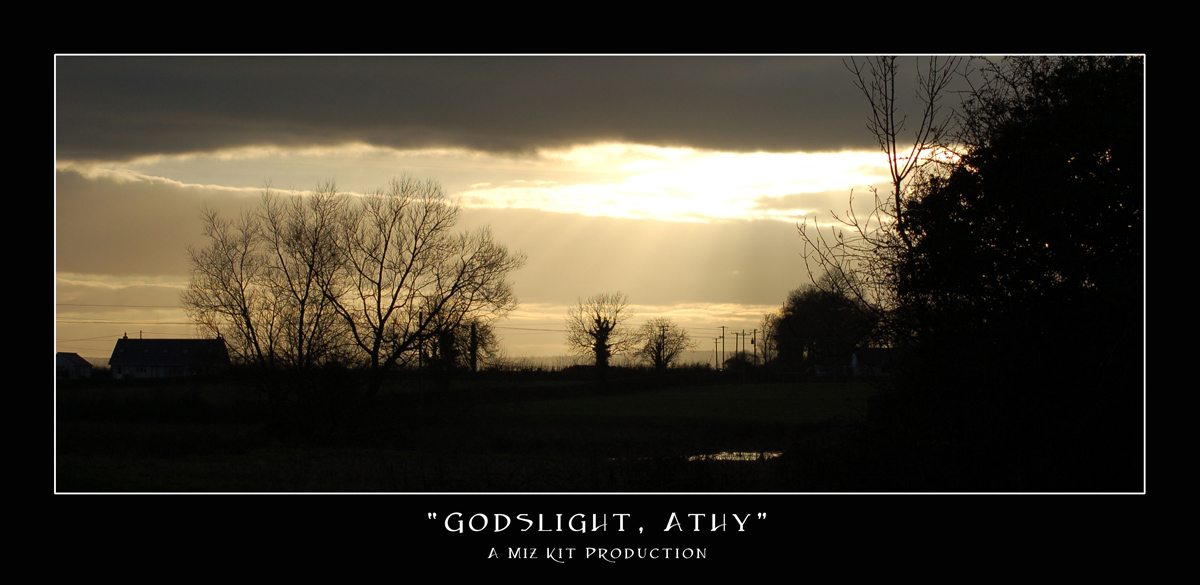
x=103, y=322
x=129, y=306
x=102, y=337
x=531, y=329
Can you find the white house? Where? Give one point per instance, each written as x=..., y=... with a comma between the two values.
x=70, y=366
x=167, y=358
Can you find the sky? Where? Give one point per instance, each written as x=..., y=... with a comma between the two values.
x=676, y=180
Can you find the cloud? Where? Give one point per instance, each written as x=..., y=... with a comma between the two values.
x=115, y=226
x=121, y=107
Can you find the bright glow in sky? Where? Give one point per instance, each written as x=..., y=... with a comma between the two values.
x=631, y=183
x=676, y=180
x=615, y=180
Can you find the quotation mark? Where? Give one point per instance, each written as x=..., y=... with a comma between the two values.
x=433, y=515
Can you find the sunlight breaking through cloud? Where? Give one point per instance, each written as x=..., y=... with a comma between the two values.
x=608, y=179
x=567, y=208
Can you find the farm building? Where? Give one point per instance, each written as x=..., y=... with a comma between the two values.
x=871, y=362
x=71, y=366
x=167, y=358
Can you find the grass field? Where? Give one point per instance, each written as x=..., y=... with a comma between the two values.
x=769, y=404
x=523, y=437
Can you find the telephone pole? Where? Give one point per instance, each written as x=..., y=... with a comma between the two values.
x=722, y=347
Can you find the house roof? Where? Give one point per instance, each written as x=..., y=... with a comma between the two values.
x=874, y=356
x=72, y=359
x=169, y=352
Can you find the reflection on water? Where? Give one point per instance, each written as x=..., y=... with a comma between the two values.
x=737, y=456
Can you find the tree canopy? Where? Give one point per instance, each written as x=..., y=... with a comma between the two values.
x=663, y=341
x=325, y=277
x=1022, y=288
x=818, y=328
x=1046, y=203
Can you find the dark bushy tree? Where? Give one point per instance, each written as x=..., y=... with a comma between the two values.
x=1022, y=289
x=819, y=326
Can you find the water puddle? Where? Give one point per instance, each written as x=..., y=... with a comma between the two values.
x=737, y=456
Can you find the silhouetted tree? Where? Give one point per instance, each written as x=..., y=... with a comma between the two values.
x=599, y=326
x=258, y=281
x=767, y=343
x=741, y=361
x=861, y=253
x=479, y=344
x=662, y=342
x=366, y=280
x=1023, y=284
x=405, y=276
x=820, y=326
x=465, y=346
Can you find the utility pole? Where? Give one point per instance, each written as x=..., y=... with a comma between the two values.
x=754, y=345
x=660, y=352
x=722, y=347
x=474, y=348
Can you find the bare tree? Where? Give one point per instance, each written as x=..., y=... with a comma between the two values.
x=768, y=340
x=860, y=253
x=479, y=344
x=305, y=279
x=299, y=233
x=258, y=282
x=876, y=79
x=466, y=345
x=226, y=296
x=405, y=276
x=599, y=326
x=662, y=342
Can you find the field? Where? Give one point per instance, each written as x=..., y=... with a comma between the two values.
x=522, y=435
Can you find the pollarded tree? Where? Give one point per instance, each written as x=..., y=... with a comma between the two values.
x=663, y=342
x=599, y=326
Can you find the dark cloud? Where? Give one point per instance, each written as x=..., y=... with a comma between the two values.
x=119, y=107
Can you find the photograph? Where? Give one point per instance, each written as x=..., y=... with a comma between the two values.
x=558, y=279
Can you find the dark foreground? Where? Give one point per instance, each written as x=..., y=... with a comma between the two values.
x=524, y=435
